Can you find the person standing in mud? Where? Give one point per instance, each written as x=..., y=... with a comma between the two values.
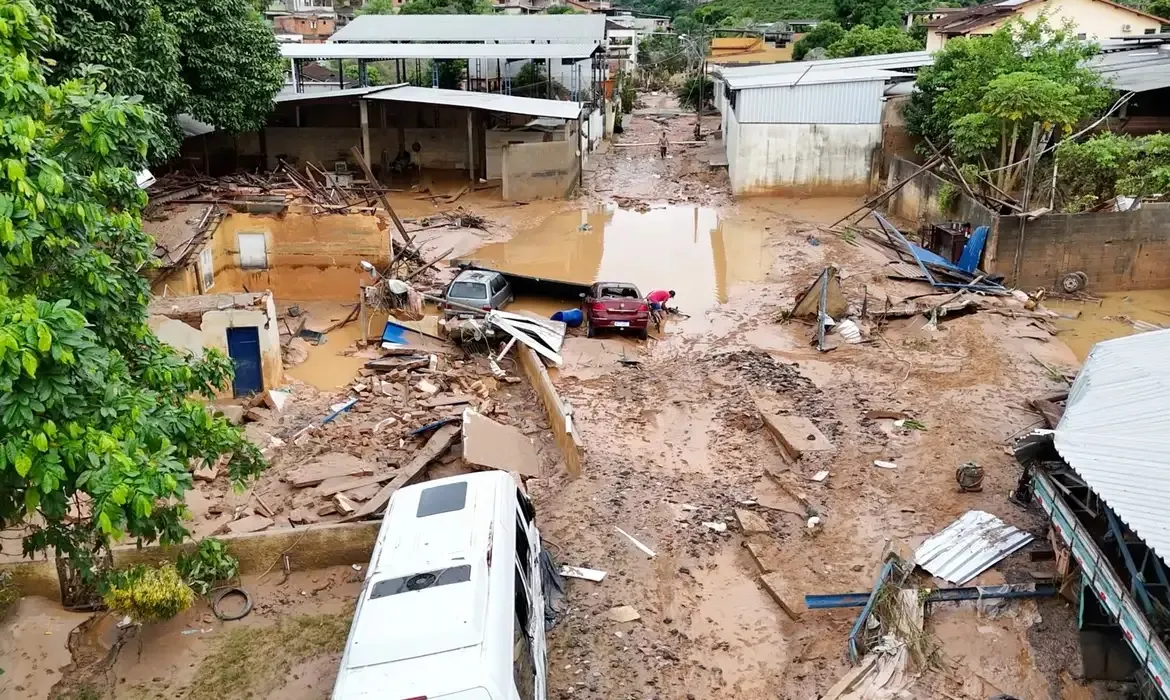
x=663, y=143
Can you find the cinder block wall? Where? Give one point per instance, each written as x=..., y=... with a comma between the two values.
x=1117, y=250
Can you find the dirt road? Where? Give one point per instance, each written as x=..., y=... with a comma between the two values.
x=676, y=442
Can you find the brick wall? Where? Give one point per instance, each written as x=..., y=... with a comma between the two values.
x=1117, y=250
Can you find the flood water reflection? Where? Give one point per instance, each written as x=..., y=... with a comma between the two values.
x=685, y=248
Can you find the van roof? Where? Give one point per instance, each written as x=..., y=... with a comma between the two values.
x=427, y=589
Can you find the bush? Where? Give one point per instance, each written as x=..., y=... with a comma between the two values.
x=148, y=594
x=207, y=566
x=695, y=88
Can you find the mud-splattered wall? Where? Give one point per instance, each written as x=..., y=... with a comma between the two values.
x=539, y=170
x=813, y=159
x=305, y=257
x=1116, y=250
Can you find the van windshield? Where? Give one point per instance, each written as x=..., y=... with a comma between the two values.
x=467, y=290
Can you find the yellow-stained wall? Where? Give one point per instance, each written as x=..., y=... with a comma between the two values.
x=309, y=257
x=1093, y=18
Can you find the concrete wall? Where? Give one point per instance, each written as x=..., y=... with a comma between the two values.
x=495, y=141
x=1117, y=250
x=560, y=414
x=800, y=158
x=539, y=170
x=313, y=547
x=212, y=333
x=918, y=200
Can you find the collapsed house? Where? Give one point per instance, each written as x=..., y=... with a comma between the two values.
x=1099, y=474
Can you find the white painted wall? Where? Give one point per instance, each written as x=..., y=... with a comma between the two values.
x=808, y=158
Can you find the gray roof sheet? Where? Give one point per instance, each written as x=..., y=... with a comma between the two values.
x=811, y=74
x=889, y=61
x=492, y=102
x=499, y=28
x=327, y=94
x=969, y=546
x=388, y=50
x=1115, y=432
x=1137, y=70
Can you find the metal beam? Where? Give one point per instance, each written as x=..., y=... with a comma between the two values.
x=1006, y=591
x=1137, y=583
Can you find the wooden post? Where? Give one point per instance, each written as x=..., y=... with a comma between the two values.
x=470, y=148
x=364, y=106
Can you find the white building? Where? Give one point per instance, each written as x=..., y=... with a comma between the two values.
x=806, y=127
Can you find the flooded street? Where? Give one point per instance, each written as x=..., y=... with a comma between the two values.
x=1109, y=318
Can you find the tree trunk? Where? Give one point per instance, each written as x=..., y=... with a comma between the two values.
x=1005, y=174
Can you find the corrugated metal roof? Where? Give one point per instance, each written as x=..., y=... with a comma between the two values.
x=1115, y=432
x=969, y=546
x=889, y=61
x=327, y=94
x=385, y=50
x=1138, y=70
x=481, y=100
x=497, y=28
x=815, y=103
x=811, y=74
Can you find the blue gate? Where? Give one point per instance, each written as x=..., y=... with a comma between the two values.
x=244, y=349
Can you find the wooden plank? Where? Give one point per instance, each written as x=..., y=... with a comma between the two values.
x=346, y=483
x=326, y=467
x=448, y=400
x=437, y=445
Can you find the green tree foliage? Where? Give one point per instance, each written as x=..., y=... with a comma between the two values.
x=871, y=13
x=659, y=57
x=822, y=36
x=134, y=50
x=377, y=7
x=737, y=13
x=562, y=10
x=983, y=95
x=1160, y=8
x=98, y=415
x=229, y=59
x=695, y=88
x=216, y=60
x=1098, y=169
x=446, y=7
x=373, y=74
x=208, y=565
x=863, y=41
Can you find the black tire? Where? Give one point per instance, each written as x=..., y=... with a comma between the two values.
x=1073, y=282
x=644, y=334
x=590, y=332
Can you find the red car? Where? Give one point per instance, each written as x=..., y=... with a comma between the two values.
x=618, y=306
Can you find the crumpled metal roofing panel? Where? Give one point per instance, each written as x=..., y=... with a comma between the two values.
x=1115, y=432
x=969, y=546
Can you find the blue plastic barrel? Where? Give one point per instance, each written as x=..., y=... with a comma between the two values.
x=570, y=317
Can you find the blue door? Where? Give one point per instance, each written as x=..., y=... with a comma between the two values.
x=244, y=349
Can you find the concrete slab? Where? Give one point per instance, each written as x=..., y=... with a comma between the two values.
x=487, y=443
x=796, y=435
x=791, y=602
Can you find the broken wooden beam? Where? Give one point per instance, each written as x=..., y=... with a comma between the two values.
x=437, y=445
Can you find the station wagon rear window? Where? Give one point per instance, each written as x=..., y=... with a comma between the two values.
x=422, y=581
x=467, y=290
x=447, y=498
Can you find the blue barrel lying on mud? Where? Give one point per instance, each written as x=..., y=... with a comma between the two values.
x=570, y=317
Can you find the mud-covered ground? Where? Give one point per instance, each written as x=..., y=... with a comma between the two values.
x=675, y=441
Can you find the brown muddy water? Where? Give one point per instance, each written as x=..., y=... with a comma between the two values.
x=689, y=249
x=1107, y=318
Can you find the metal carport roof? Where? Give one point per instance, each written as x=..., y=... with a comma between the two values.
x=491, y=102
x=386, y=51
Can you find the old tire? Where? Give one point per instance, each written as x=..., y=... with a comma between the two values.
x=1073, y=282
x=644, y=334
x=590, y=332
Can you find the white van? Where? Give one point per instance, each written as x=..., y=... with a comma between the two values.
x=452, y=605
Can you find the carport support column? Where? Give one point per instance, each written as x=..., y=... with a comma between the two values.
x=470, y=149
x=365, y=110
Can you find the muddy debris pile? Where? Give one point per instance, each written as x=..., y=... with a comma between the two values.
x=401, y=421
